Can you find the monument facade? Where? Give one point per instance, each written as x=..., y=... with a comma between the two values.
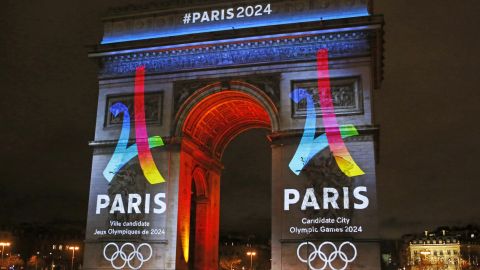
x=179, y=81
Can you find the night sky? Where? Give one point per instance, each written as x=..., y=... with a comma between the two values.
x=427, y=109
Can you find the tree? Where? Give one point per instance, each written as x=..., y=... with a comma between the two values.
x=35, y=262
x=16, y=261
x=228, y=263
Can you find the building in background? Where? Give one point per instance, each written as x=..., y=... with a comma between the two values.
x=431, y=250
x=444, y=248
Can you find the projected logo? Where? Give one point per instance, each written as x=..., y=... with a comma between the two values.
x=124, y=153
x=127, y=255
x=333, y=137
x=326, y=255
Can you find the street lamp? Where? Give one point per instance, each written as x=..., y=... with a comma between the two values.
x=251, y=254
x=3, y=244
x=36, y=259
x=73, y=253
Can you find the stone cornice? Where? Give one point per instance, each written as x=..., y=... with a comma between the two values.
x=284, y=134
x=262, y=51
x=365, y=134
x=159, y=5
x=109, y=145
x=166, y=20
x=337, y=25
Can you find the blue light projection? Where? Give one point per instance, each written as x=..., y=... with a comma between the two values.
x=276, y=19
x=124, y=153
x=309, y=145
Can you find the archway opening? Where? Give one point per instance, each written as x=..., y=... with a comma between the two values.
x=207, y=129
x=245, y=208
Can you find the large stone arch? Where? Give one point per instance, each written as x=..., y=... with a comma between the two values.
x=206, y=122
x=202, y=88
x=224, y=94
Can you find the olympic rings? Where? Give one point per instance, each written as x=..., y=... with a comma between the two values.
x=327, y=260
x=120, y=253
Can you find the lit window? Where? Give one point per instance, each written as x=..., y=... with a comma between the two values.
x=54, y=247
x=60, y=247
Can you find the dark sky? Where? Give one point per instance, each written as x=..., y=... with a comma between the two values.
x=427, y=108
x=245, y=191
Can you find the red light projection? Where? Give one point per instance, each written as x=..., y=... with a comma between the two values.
x=215, y=121
x=207, y=129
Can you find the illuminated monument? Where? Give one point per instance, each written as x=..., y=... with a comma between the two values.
x=180, y=80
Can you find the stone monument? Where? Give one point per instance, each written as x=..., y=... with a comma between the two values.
x=180, y=79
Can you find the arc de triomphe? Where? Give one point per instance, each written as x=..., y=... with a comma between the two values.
x=179, y=80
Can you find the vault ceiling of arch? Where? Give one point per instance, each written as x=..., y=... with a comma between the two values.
x=219, y=118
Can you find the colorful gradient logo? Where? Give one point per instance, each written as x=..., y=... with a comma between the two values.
x=124, y=154
x=333, y=137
